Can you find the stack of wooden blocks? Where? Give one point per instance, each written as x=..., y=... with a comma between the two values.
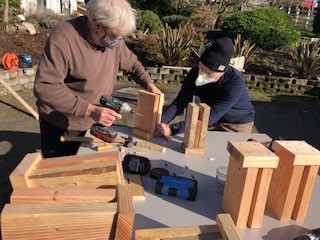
x=257, y=178
x=72, y=197
x=194, y=141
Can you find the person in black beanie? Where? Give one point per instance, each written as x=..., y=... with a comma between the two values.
x=217, y=84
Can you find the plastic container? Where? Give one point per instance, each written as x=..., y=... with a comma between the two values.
x=221, y=175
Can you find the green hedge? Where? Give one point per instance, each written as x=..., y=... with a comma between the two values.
x=268, y=27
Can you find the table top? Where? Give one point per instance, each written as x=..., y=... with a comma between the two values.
x=167, y=211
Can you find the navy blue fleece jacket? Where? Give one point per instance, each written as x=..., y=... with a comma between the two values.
x=228, y=99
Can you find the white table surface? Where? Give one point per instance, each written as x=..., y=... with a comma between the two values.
x=166, y=211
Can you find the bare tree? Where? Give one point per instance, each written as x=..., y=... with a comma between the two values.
x=6, y=12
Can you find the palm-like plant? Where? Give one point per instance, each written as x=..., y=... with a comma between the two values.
x=242, y=47
x=176, y=45
x=306, y=58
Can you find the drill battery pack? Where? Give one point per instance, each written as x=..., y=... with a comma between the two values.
x=105, y=133
x=178, y=187
x=136, y=164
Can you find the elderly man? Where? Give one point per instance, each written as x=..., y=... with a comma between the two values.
x=218, y=85
x=80, y=63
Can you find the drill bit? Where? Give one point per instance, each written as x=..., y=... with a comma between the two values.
x=134, y=112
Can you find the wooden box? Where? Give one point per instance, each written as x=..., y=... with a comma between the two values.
x=292, y=183
x=248, y=179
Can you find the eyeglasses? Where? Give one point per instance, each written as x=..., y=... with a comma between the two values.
x=111, y=36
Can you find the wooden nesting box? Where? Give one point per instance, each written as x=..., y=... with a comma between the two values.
x=249, y=174
x=149, y=105
x=292, y=183
x=194, y=141
x=71, y=197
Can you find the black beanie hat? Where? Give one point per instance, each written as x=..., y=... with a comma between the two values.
x=217, y=56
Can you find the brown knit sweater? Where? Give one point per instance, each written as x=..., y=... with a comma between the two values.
x=72, y=73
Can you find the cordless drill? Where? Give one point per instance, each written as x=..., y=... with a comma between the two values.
x=107, y=133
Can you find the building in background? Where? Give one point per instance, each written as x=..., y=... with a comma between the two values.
x=66, y=7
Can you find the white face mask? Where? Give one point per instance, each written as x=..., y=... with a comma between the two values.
x=203, y=79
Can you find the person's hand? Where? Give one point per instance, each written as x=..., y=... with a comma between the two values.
x=162, y=129
x=104, y=116
x=153, y=88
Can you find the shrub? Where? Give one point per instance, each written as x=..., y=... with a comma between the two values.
x=243, y=47
x=175, y=20
x=147, y=19
x=270, y=28
x=306, y=59
x=46, y=18
x=14, y=6
x=177, y=45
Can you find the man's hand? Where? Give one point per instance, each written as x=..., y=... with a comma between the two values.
x=104, y=116
x=153, y=88
x=162, y=129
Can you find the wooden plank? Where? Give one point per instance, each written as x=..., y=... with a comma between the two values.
x=304, y=193
x=160, y=107
x=58, y=221
x=198, y=133
x=253, y=154
x=284, y=186
x=23, y=102
x=148, y=107
x=18, y=178
x=120, y=171
x=54, y=195
x=192, y=150
x=136, y=185
x=95, y=175
x=259, y=199
x=175, y=232
x=227, y=228
x=77, y=160
x=151, y=146
x=125, y=218
x=204, y=114
x=238, y=192
x=191, y=125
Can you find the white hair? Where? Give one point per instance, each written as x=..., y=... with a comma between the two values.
x=113, y=14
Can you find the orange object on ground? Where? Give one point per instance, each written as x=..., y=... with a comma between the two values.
x=10, y=61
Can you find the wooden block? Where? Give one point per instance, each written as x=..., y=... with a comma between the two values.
x=125, y=218
x=204, y=114
x=259, y=198
x=148, y=107
x=104, y=147
x=187, y=150
x=176, y=232
x=284, y=187
x=142, y=134
x=150, y=146
x=227, y=228
x=160, y=107
x=198, y=132
x=301, y=152
x=191, y=125
x=18, y=178
x=304, y=193
x=71, y=195
x=58, y=221
x=238, y=191
x=136, y=186
x=252, y=154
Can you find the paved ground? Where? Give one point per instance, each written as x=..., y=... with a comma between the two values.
x=288, y=117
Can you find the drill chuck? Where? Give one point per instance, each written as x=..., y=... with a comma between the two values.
x=116, y=104
x=312, y=235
